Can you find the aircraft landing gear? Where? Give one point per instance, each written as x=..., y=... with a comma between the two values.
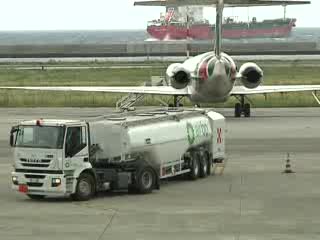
x=242, y=107
x=237, y=110
x=176, y=102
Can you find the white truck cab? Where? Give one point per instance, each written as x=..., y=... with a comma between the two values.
x=47, y=155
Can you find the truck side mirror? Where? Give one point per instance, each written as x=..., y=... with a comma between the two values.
x=11, y=139
x=13, y=130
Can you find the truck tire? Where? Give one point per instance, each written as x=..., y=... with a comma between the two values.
x=207, y=157
x=195, y=167
x=132, y=189
x=203, y=166
x=145, y=180
x=84, y=188
x=36, y=197
x=209, y=164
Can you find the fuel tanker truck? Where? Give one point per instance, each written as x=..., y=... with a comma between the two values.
x=132, y=151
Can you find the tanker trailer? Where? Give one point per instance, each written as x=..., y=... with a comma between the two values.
x=131, y=151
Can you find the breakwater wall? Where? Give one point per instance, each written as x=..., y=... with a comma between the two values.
x=155, y=49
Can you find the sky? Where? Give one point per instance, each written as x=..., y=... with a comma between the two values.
x=121, y=14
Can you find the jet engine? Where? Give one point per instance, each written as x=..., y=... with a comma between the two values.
x=179, y=77
x=251, y=75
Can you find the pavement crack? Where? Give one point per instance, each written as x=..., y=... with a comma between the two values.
x=240, y=205
x=240, y=195
x=108, y=224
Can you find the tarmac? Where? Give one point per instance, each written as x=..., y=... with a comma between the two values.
x=253, y=199
x=259, y=57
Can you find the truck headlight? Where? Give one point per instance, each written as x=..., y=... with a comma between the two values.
x=15, y=180
x=56, y=182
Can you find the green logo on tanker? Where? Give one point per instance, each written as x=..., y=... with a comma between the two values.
x=195, y=131
x=190, y=132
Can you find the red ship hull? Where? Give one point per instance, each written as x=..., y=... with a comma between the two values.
x=276, y=32
x=206, y=31
x=168, y=32
x=201, y=32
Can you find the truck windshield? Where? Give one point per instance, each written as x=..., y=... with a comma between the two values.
x=40, y=137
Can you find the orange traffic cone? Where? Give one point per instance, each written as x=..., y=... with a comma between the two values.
x=288, y=165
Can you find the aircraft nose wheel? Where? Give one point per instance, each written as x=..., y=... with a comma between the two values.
x=176, y=102
x=242, y=108
x=247, y=110
x=237, y=110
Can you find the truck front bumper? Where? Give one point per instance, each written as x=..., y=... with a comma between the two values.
x=41, y=184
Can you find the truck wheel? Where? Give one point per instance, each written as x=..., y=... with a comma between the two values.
x=36, y=197
x=209, y=165
x=85, y=188
x=195, y=167
x=207, y=158
x=203, y=166
x=145, y=180
x=132, y=189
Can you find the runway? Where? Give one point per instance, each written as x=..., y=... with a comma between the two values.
x=83, y=67
x=283, y=58
x=251, y=200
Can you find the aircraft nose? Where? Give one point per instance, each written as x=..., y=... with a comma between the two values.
x=219, y=84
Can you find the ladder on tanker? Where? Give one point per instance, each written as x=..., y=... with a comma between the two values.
x=128, y=101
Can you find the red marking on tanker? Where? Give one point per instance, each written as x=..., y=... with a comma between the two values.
x=219, y=138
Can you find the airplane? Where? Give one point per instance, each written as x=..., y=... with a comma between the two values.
x=208, y=77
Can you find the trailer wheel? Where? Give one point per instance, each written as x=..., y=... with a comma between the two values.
x=85, y=188
x=195, y=167
x=207, y=158
x=36, y=197
x=209, y=161
x=145, y=180
x=203, y=166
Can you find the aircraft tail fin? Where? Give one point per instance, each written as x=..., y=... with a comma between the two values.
x=218, y=29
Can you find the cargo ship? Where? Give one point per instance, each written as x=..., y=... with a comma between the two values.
x=188, y=23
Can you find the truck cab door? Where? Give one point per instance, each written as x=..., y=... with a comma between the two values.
x=76, y=154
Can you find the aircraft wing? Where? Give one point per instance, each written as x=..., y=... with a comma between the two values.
x=159, y=90
x=240, y=90
x=227, y=3
x=151, y=3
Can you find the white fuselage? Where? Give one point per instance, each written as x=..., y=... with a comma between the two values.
x=212, y=79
